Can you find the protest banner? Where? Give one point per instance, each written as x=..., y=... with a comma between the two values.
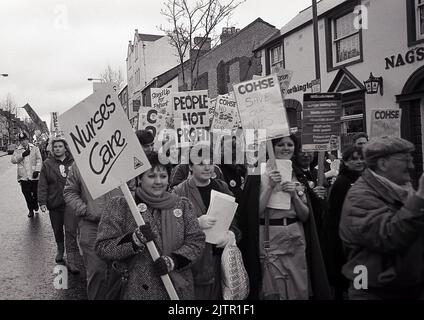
x=321, y=125
x=152, y=119
x=261, y=106
x=54, y=125
x=41, y=125
x=226, y=113
x=191, y=115
x=102, y=142
x=161, y=100
x=107, y=152
x=385, y=122
x=284, y=78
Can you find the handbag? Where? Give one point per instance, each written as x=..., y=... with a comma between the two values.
x=117, y=278
x=235, y=281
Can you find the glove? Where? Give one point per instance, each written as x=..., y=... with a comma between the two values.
x=163, y=265
x=26, y=152
x=142, y=235
x=35, y=174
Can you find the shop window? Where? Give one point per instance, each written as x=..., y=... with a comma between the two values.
x=415, y=21
x=276, y=56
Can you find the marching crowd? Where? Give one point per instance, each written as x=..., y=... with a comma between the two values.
x=366, y=214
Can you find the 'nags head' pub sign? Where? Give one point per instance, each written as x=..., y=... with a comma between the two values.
x=410, y=57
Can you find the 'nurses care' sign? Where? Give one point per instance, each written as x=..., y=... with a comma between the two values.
x=102, y=142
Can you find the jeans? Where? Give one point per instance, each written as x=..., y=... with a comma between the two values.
x=96, y=268
x=64, y=224
x=29, y=189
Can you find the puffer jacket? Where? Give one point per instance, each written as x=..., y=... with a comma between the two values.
x=27, y=165
x=79, y=199
x=384, y=234
x=52, y=181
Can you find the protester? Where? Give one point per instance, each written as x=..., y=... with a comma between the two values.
x=28, y=158
x=146, y=139
x=283, y=259
x=182, y=172
x=351, y=169
x=88, y=212
x=360, y=139
x=198, y=188
x=170, y=222
x=50, y=196
x=382, y=225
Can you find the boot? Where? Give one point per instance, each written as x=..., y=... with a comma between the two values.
x=71, y=263
x=60, y=252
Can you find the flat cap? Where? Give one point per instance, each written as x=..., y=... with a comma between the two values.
x=385, y=146
x=145, y=136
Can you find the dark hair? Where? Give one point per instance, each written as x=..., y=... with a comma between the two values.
x=350, y=151
x=295, y=142
x=153, y=158
x=358, y=135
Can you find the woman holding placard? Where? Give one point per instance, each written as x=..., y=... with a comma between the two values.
x=277, y=217
x=198, y=189
x=170, y=223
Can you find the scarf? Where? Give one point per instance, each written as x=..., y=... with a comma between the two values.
x=165, y=205
x=401, y=191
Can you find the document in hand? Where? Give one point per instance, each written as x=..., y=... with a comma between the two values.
x=280, y=199
x=222, y=207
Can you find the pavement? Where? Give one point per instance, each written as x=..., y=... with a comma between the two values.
x=2, y=153
x=27, y=249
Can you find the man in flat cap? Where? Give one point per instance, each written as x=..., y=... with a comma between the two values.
x=28, y=158
x=146, y=139
x=382, y=225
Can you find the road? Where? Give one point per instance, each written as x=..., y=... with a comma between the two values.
x=27, y=248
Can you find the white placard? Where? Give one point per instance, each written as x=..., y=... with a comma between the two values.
x=102, y=142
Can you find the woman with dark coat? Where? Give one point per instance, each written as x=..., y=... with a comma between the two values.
x=351, y=169
x=170, y=223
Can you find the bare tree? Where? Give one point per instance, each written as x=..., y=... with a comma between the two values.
x=191, y=19
x=111, y=75
x=8, y=107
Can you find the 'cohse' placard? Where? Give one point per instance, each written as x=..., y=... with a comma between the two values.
x=102, y=142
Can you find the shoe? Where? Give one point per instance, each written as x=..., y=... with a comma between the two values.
x=30, y=214
x=71, y=263
x=60, y=252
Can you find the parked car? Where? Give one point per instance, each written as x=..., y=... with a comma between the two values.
x=11, y=148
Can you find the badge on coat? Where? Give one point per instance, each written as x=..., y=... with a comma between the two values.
x=142, y=207
x=232, y=183
x=62, y=170
x=178, y=213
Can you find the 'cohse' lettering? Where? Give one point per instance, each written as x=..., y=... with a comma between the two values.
x=257, y=85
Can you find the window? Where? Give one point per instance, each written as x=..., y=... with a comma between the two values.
x=346, y=40
x=352, y=120
x=276, y=56
x=344, y=37
x=419, y=19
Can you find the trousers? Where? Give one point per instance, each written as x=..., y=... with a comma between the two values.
x=29, y=189
x=64, y=224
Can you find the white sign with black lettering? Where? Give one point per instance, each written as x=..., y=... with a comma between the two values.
x=385, y=122
x=102, y=142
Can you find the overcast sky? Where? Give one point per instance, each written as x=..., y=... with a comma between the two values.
x=49, y=48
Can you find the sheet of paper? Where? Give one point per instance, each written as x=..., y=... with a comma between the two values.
x=215, y=193
x=285, y=168
x=280, y=199
x=223, y=209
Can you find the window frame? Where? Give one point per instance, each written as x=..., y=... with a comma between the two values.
x=417, y=5
x=412, y=21
x=282, y=60
x=330, y=23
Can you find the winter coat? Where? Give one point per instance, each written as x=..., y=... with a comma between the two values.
x=333, y=248
x=203, y=270
x=383, y=233
x=182, y=172
x=52, y=182
x=143, y=283
x=79, y=199
x=27, y=165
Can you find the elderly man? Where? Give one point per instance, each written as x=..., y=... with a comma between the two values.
x=28, y=158
x=382, y=225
